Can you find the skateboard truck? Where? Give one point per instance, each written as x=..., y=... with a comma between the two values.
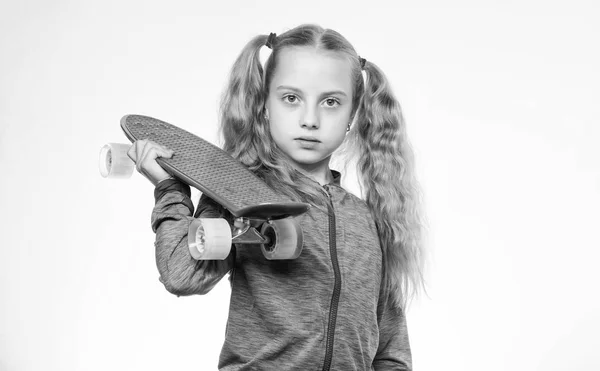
x=244, y=233
x=211, y=238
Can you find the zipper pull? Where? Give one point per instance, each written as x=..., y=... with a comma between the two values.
x=326, y=187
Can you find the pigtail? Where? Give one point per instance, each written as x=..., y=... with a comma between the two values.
x=389, y=185
x=241, y=107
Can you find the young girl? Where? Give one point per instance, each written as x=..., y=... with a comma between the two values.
x=341, y=304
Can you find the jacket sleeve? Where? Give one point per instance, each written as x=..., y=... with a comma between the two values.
x=394, y=351
x=171, y=217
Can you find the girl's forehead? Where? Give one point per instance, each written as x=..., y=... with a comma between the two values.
x=311, y=68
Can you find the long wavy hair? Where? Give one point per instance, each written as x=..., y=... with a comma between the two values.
x=377, y=145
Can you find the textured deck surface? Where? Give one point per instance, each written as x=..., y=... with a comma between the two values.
x=203, y=165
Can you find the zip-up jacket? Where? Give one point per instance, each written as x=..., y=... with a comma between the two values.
x=324, y=310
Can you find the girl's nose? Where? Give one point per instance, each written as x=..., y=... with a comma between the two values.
x=311, y=119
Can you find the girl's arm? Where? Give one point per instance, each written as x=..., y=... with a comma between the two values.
x=171, y=217
x=394, y=347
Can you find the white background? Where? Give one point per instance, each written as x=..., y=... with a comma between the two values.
x=501, y=101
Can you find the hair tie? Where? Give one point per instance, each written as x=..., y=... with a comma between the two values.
x=362, y=62
x=271, y=40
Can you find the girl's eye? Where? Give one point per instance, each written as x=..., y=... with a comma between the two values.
x=290, y=98
x=331, y=102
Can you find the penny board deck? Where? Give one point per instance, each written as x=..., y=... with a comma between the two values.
x=213, y=171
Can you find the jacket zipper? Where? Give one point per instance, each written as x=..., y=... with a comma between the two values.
x=336, y=288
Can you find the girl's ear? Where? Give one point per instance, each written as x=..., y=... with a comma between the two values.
x=266, y=113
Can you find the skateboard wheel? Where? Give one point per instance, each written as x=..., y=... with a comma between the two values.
x=209, y=239
x=285, y=239
x=114, y=162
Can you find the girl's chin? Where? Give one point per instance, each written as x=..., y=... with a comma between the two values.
x=310, y=163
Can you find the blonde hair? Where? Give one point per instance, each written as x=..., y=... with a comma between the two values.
x=377, y=140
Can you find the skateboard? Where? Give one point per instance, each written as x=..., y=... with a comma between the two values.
x=261, y=216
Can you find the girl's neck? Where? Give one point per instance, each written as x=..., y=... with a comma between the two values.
x=320, y=174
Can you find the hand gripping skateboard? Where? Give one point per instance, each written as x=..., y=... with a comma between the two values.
x=215, y=173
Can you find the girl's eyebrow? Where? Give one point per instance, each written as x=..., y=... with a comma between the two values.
x=285, y=87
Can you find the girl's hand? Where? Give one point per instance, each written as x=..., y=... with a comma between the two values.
x=144, y=153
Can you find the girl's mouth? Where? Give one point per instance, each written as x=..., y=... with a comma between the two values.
x=308, y=139
x=307, y=142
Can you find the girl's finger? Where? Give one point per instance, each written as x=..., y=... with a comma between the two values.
x=140, y=146
x=148, y=145
x=168, y=152
x=149, y=156
x=163, y=151
x=153, y=150
x=132, y=152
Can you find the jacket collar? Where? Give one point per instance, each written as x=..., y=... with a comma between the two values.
x=337, y=178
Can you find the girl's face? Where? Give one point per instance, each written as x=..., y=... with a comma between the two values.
x=309, y=105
